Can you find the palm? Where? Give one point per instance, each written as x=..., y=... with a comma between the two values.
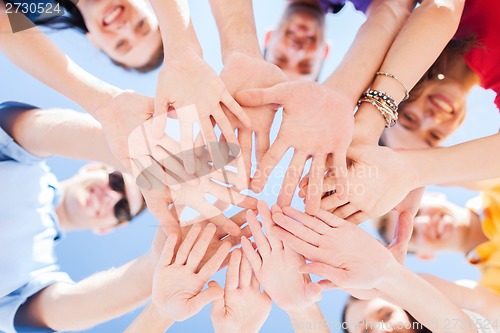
x=245, y=72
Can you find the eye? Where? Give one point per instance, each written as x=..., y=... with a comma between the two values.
x=121, y=45
x=409, y=118
x=435, y=136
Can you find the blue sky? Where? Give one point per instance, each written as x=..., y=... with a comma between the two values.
x=82, y=254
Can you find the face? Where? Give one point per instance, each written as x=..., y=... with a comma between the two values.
x=377, y=315
x=126, y=30
x=298, y=46
x=438, y=226
x=431, y=118
x=94, y=200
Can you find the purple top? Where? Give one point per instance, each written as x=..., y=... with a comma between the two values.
x=334, y=6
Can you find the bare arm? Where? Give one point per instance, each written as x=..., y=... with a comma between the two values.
x=427, y=31
x=61, y=132
x=149, y=320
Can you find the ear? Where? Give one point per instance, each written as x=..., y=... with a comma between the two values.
x=91, y=39
x=268, y=37
x=326, y=51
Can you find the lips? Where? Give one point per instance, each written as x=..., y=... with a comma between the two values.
x=442, y=103
x=439, y=229
x=112, y=15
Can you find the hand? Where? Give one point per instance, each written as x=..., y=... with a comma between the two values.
x=379, y=179
x=187, y=82
x=177, y=285
x=276, y=266
x=340, y=251
x=243, y=308
x=241, y=72
x=159, y=170
x=317, y=121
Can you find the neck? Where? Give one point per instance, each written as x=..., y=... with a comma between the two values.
x=474, y=234
x=61, y=211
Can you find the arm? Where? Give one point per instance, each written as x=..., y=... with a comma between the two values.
x=149, y=320
x=60, y=132
x=425, y=34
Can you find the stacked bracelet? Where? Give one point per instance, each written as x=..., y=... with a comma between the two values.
x=407, y=93
x=384, y=104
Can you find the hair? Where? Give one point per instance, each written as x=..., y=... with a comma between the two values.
x=454, y=50
x=73, y=19
x=296, y=7
x=413, y=321
x=380, y=224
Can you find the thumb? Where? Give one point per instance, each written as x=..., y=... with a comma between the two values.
x=159, y=119
x=313, y=292
x=260, y=96
x=404, y=229
x=218, y=304
x=207, y=296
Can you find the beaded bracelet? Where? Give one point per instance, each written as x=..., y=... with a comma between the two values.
x=383, y=103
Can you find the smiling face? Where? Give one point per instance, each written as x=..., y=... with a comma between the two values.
x=429, y=119
x=126, y=30
x=377, y=315
x=438, y=226
x=298, y=45
x=91, y=202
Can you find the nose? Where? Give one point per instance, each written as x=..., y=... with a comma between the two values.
x=124, y=29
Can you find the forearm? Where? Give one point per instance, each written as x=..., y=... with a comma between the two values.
x=308, y=320
x=373, y=40
x=150, y=321
x=96, y=299
x=34, y=53
x=470, y=161
x=176, y=27
x=413, y=293
x=65, y=133
x=236, y=25
x=419, y=43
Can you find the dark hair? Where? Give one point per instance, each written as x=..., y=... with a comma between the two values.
x=73, y=19
x=413, y=321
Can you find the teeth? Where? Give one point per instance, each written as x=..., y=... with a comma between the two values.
x=443, y=105
x=113, y=15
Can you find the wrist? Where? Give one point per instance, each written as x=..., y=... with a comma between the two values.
x=391, y=277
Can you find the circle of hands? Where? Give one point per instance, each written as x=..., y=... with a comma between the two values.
x=349, y=181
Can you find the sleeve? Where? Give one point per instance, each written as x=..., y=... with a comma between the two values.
x=481, y=323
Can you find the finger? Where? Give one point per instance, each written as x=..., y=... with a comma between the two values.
x=227, y=132
x=331, y=202
x=160, y=118
x=214, y=263
x=231, y=196
x=298, y=245
x=303, y=183
x=245, y=273
x=235, y=109
x=245, y=140
x=345, y=211
x=262, y=143
x=187, y=144
x=315, y=188
x=268, y=222
x=200, y=248
x=313, y=292
x=341, y=176
x=310, y=222
x=330, y=219
x=233, y=270
x=259, y=237
x=159, y=208
x=327, y=285
x=298, y=229
x=218, y=304
x=167, y=254
x=292, y=178
x=404, y=229
x=187, y=244
x=252, y=256
x=215, y=216
x=336, y=275
x=205, y=297
x=261, y=96
x=358, y=218
x=267, y=165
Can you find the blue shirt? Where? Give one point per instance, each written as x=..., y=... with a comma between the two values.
x=334, y=6
x=28, y=223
